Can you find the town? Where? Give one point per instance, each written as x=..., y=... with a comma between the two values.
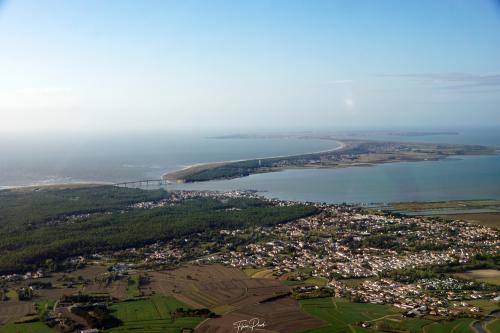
x=345, y=251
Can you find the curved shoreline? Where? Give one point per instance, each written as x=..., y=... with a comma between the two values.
x=355, y=153
x=173, y=178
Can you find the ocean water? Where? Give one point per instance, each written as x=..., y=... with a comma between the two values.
x=113, y=158
x=467, y=178
x=134, y=156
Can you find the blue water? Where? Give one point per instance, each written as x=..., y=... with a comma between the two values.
x=40, y=159
x=468, y=178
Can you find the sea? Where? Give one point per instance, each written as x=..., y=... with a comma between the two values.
x=42, y=159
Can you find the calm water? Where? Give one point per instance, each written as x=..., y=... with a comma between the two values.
x=469, y=178
x=125, y=157
x=38, y=160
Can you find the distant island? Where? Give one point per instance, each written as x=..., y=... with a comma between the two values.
x=330, y=136
x=352, y=152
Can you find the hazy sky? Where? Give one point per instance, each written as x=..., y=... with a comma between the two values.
x=248, y=64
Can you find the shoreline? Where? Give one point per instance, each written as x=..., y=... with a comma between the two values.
x=357, y=153
x=210, y=165
x=34, y=187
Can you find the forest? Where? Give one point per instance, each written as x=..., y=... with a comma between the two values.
x=35, y=226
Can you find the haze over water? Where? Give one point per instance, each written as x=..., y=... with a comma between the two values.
x=125, y=157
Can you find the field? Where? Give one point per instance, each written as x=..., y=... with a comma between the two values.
x=282, y=315
x=317, y=281
x=487, y=219
x=151, y=315
x=230, y=292
x=249, y=271
x=12, y=310
x=491, y=276
x=214, y=285
x=462, y=204
x=35, y=327
x=133, y=289
x=461, y=325
x=343, y=316
x=494, y=326
x=264, y=274
x=483, y=212
x=486, y=306
x=398, y=323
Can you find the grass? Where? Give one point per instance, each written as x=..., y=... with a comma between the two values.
x=491, y=220
x=249, y=271
x=344, y=316
x=291, y=283
x=486, y=306
x=34, y=327
x=461, y=325
x=264, y=274
x=133, y=286
x=318, y=281
x=354, y=282
x=43, y=307
x=491, y=276
x=416, y=325
x=399, y=323
x=446, y=204
x=221, y=309
x=493, y=326
x=151, y=315
x=12, y=295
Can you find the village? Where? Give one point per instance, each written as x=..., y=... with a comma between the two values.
x=349, y=252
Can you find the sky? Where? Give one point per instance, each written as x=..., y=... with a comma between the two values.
x=100, y=65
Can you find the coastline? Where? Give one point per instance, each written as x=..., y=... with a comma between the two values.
x=36, y=187
x=356, y=153
x=173, y=177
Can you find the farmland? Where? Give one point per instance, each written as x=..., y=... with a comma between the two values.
x=462, y=325
x=482, y=212
x=245, y=261
x=151, y=315
x=344, y=316
x=341, y=315
x=234, y=295
x=491, y=276
x=494, y=326
x=14, y=309
x=35, y=327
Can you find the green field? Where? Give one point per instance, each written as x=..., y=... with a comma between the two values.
x=318, y=281
x=461, y=325
x=249, y=271
x=344, y=316
x=494, y=326
x=417, y=325
x=486, y=306
x=35, y=327
x=151, y=315
x=133, y=286
x=12, y=295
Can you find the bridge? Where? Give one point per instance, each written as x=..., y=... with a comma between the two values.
x=142, y=183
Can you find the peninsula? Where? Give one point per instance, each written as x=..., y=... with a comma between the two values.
x=352, y=152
